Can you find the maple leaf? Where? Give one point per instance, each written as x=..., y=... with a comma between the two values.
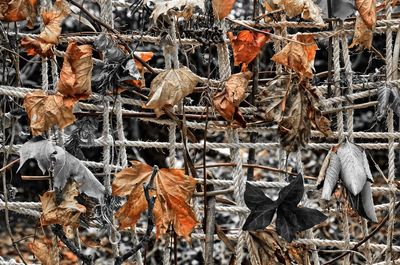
x=362, y=35
x=52, y=20
x=169, y=87
x=18, y=10
x=246, y=46
x=227, y=101
x=298, y=57
x=367, y=10
x=66, y=213
x=76, y=72
x=222, y=8
x=45, y=111
x=173, y=190
x=306, y=8
x=47, y=253
x=290, y=218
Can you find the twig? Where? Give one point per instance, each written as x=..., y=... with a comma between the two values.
x=150, y=221
x=9, y=165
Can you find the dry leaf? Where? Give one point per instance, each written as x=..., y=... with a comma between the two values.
x=388, y=97
x=184, y=7
x=46, y=253
x=45, y=111
x=246, y=46
x=173, y=190
x=222, y=8
x=363, y=203
x=18, y=10
x=52, y=20
x=306, y=8
x=76, y=73
x=331, y=176
x=362, y=35
x=67, y=213
x=367, y=10
x=169, y=87
x=270, y=100
x=227, y=102
x=145, y=56
x=299, y=57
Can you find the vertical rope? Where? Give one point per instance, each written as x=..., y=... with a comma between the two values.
x=172, y=145
x=120, y=130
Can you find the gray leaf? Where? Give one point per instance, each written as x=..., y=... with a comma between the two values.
x=363, y=203
x=322, y=171
x=38, y=150
x=388, y=96
x=331, y=176
x=353, y=171
x=366, y=167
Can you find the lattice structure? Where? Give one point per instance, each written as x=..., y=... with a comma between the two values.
x=239, y=142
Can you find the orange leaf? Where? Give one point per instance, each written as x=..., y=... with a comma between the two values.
x=76, y=72
x=18, y=10
x=362, y=35
x=46, y=252
x=299, y=57
x=173, y=190
x=222, y=8
x=45, y=111
x=52, y=20
x=367, y=10
x=246, y=46
x=145, y=56
x=67, y=213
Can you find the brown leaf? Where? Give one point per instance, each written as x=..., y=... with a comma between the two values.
x=246, y=46
x=67, y=212
x=173, y=190
x=362, y=35
x=18, y=10
x=45, y=111
x=169, y=87
x=222, y=8
x=367, y=10
x=306, y=8
x=145, y=56
x=76, y=73
x=299, y=57
x=52, y=20
x=270, y=100
x=45, y=251
x=227, y=102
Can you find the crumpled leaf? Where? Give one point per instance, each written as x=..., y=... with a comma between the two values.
x=46, y=252
x=67, y=213
x=290, y=218
x=363, y=203
x=52, y=20
x=246, y=46
x=362, y=35
x=299, y=57
x=173, y=190
x=367, y=10
x=76, y=72
x=331, y=176
x=388, y=97
x=169, y=87
x=145, y=56
x=45, y=111
x=184, y=7
x=66, y=166
x=18, y=10
x=227, y=101
x=222, y=8
x=306, y=8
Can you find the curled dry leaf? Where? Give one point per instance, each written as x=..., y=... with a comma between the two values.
x=52, y=20
x=299, y=57
x=145, y=56
x=185, y=8
x=227, y=102
x=76, y=72
x=367, y=10
x=45, y=111
x=46, y=252
x=362, y=35
x=363, y=203
x=173, y=190
x=388, y=97
x=306, y=8
x=18, y=10
x=169, y=87
x=222, y=8
x=331, y=176
x=66, y=213
x=246, y=46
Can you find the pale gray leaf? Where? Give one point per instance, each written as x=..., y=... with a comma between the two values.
x=39, y=150
x=366, y=167
x=388, y=97
x=363, y=203
x=352, y=167
x=324, y=167
x=331, y=176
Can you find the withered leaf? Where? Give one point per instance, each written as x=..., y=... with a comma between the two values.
x=362, y=35
x=46, y=252
x=388, y=97
x=331, y=176
x=67, y=213
x=363, y=203
x=66, y=166
x=227, y=101
x=184, y=8
x=18, y=10
x=45, y=111
x=306, y=8
x=222, y=8
x=76, y=72
x=367, y=10
x=52, y=20
x=173, y=190
x=170, y=87
x=145, y=56
x=246, y=46
x=299, y=57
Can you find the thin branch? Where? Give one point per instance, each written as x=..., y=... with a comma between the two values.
x=9, y=165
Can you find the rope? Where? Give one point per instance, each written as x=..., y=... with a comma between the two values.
x=120, y=129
